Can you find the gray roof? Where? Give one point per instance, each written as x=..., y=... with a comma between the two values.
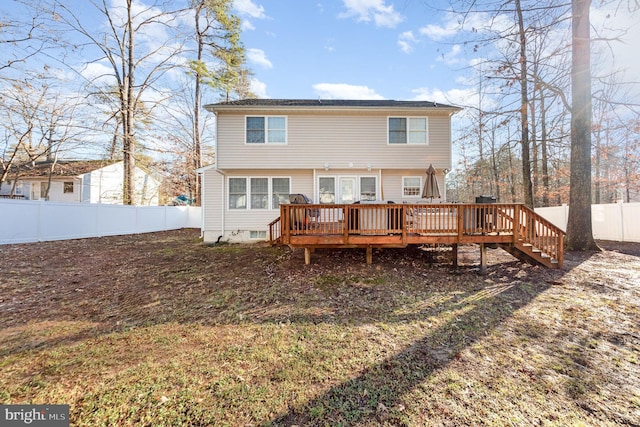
x=320, y=103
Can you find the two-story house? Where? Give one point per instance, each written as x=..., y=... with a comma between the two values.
x=333, y=151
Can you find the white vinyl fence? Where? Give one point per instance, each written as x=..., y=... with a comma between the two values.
x=25, y=221
x=617, y=221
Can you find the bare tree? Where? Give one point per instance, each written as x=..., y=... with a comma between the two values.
x=19, y=40
x=39, y=123
x=133, y=70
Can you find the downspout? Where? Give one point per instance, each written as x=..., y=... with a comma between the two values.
x=202, y=204
x=224, y=182
x=222, y=205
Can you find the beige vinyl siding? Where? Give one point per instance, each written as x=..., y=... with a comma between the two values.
x=392, y=185
x=340, y=140
x=211, y=205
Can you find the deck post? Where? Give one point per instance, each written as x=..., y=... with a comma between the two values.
x=483, y=258
x=285, y=224
x=307, y=256
x=346, y=212
x=460, y=210
x=516, y=224
x=454, y=254
x=404, y=224
x=369, y=255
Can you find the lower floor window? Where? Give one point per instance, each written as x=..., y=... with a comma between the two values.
x=258, y=192
x=411, y=186
x=68, y=187
x=347, y=189
x=259, y=234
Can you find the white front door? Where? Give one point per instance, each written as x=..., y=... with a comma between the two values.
x=347, y=190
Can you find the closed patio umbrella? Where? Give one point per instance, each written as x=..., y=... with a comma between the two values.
x=431, y=188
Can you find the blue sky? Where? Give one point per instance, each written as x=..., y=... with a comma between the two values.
x=386, y=49
x=362, y=49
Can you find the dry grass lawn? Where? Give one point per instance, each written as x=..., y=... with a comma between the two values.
x=159, y=329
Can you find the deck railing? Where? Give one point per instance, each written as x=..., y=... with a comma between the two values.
x=402, y=224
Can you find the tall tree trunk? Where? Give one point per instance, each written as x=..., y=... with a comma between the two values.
x=598, y=177
x=579, y=228
x=524, y=119
x=197, y=143
x=545, y=153
x=534, y=150
x=128, y=122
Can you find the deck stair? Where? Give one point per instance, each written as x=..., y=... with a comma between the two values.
x=529, y=253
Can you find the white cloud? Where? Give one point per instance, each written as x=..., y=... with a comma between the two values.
x=476, y=21
x=258, y=57
x=98, y=73
x=372, y=10
x=329, y=45
x=249, y=8
x=246, y=25
x=345, y=91
x=453, y=56
x=458, y=97
x=438, y=32
x=258, y=88
x=406, y=41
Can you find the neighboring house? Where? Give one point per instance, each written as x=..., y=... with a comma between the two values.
x=82, y=181
x=333, y=151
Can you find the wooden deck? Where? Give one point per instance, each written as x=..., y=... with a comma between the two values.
x=514, y=227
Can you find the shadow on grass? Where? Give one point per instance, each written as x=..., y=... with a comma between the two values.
x=188, y=283
x=629, y=248
x=376, y=395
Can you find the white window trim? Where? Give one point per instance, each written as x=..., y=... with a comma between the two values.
x=271, y=178
x=247, y=179
x=407, y=130
x=247, y=193
x=249, y=204
x=258, y=232
x=266, y=130
x=336, y=184
x=419, y=195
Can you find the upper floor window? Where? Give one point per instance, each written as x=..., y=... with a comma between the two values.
x=266, y=130
x=408, y=130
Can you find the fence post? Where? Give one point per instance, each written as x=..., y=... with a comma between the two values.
x=621, y=221
x=97, y=210
x=39, y=228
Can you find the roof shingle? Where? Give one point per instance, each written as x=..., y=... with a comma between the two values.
x=354, y=103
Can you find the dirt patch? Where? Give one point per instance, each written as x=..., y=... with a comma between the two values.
x=120, y=281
